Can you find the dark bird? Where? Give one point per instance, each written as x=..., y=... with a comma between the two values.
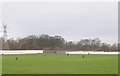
x=16, y=58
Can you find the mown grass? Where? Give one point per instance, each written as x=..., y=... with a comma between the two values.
x=59, y=64
x=0, y=64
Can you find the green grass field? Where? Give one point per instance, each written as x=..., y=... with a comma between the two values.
x=59, y=64
x=0, y=64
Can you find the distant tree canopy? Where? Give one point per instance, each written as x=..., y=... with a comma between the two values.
x=43, y=41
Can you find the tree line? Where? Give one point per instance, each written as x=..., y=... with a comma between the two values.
x=46, y=42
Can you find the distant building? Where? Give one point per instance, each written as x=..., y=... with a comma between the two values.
x=54, y=51
x=49, y=51
x=61, y=52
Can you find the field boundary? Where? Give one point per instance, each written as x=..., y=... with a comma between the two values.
x=60, y=75
x=21, y=52
x=41, y=51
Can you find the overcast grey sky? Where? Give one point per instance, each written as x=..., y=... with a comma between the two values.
x=71, y=20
